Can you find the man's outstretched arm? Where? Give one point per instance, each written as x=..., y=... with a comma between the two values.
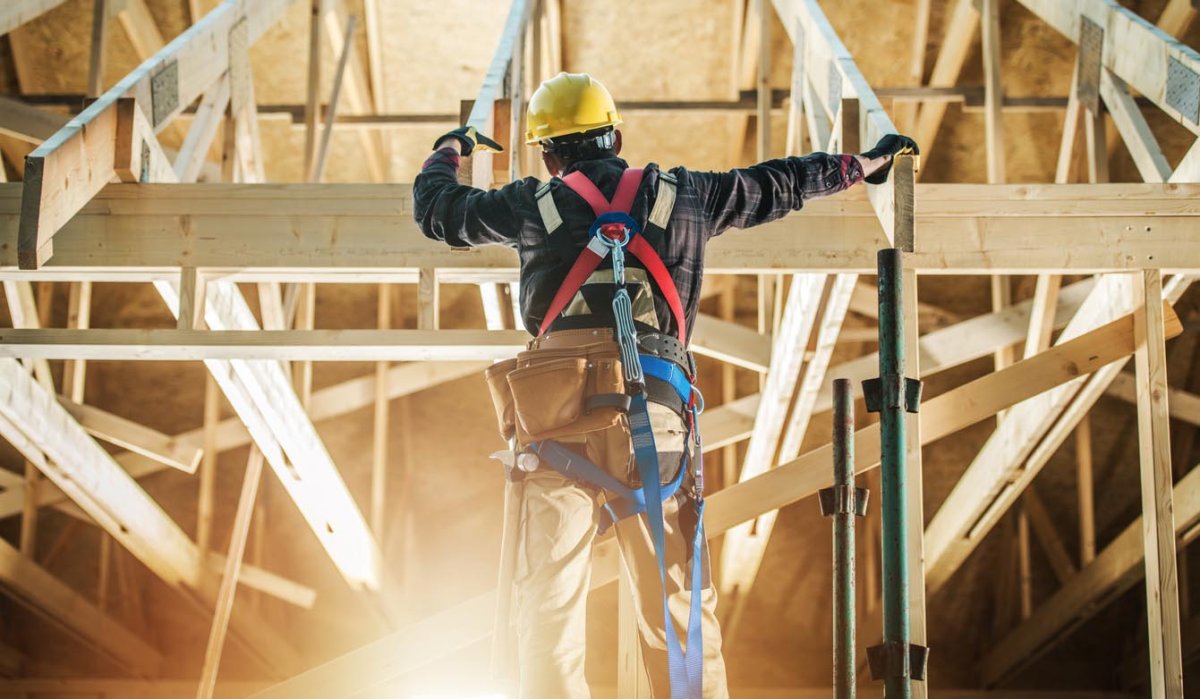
x=457, y=214
x=761, y=193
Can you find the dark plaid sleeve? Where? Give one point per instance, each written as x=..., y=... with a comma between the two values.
x=767, y=191
x=457, y=214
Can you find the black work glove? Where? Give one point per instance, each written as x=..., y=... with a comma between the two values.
x=890, y=145
x=470, y=140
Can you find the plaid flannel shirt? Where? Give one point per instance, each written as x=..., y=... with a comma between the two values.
x=707, y=204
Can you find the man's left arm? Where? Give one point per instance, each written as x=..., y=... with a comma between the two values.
x=457, y=214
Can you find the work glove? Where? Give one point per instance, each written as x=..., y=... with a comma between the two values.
x=470, y=140
x=890, y=145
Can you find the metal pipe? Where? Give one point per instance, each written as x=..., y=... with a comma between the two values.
x=897, y=685
x=843, y=541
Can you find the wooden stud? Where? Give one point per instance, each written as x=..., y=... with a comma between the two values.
x=993, y=91
x=1157, y=479
x=381, y=433
x=140, y=27
x=312, y=108
x=1024, y=569
x=906, y=112
x=99, y=48
x=193, y=154
x=29, y=514
x=79, y=315
x=229, y=578
x=357, y=88
x=763, y=80
x=192, y=292
x=305, y=320
x=427, y=300
x=208, y=466
x=1051, y=543
x=956, y=44
x=1083, y=481
x=318, y=168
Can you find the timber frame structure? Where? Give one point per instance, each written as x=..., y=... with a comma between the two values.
x=67, y=223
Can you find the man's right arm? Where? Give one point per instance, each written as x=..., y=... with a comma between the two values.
x=457, y=214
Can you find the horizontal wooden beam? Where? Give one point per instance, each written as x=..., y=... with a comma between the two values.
x=288, y=345
x=144, y=231
x=74, y=164
x=731, y=342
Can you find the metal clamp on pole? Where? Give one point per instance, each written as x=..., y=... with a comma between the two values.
x=897, y=661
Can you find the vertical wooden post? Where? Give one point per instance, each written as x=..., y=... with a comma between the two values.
x=29, y=510
x=208, y=466
x=764, y=80
x=305, y=320
x=99, y=48
x=427, y=299
x=915, y=474
x=233, y=568
x=312, y=107
x=1024, y=568
x=1087, y=511
x=192, y=293
x=379, y=461
x=1158, y=520
x=79, y=316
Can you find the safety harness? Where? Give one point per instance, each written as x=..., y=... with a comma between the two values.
x=615, y=232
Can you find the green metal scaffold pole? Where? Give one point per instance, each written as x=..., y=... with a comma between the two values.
x=898, y=661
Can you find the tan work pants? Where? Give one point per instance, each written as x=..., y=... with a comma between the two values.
x=558, y=521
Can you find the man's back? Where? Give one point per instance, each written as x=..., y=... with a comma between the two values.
x=707, y=204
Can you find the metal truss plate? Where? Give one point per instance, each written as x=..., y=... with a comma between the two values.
x=1183, y=90
x=1091, y=53
x=164, y=93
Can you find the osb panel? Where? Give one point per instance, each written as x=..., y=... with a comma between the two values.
x=51, y=53
x=435, y=52
x=652, y=50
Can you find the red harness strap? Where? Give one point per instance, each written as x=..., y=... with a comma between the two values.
x=593, y=255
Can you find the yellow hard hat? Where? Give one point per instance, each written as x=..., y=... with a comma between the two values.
x=569, y=103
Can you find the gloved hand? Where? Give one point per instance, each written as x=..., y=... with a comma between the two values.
x=890, y=145
x=470, y=140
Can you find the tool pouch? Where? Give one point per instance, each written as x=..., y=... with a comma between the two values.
x=502, y=397
x=559, y=392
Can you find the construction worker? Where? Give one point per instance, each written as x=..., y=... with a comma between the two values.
x=601, y=411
